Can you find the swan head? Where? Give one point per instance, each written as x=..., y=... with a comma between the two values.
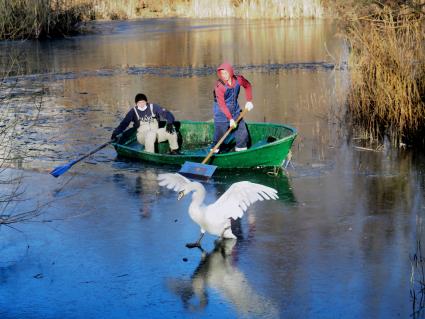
x=189, y=188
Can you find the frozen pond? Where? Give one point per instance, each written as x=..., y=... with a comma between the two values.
x=111, y=243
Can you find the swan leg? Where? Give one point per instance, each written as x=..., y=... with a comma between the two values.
x=224, y=230
x=227, y=233
x=197, y=243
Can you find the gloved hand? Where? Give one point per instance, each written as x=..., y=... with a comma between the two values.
x=114, y=136
x=249, y=106
x=169, y=128
x=232, y=124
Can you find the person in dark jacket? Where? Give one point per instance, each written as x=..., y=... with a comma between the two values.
x=145, y=117
x=226, y=106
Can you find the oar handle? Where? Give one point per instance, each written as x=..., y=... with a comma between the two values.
x=58, y=171
x=91, y=152
x=206, y=159
x=95, y=150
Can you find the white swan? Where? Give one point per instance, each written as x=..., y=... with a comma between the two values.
x=215, y=218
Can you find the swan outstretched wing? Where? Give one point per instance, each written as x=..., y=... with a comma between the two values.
x=235, y=201
x=173, y=181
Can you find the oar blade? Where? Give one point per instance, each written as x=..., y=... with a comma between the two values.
x=58, y=171
x=197, y=170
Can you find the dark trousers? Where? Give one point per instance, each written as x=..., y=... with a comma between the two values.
x=240, y=133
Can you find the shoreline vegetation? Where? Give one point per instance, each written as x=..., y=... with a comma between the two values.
x=22, y=19
x=386, y=40
x=386, y=99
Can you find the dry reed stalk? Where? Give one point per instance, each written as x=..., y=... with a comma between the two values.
x=387, y=65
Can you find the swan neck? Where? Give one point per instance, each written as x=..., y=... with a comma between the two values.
x=198, y=195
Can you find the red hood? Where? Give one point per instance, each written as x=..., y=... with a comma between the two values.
x=225, y=66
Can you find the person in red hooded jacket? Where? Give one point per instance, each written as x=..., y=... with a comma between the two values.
x=226, y=106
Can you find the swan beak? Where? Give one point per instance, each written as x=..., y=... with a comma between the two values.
x=181, y=194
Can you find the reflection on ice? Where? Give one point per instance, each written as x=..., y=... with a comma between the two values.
x=143, y=186
x=217, y=271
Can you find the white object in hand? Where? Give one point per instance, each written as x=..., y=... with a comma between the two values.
x=249, y=106
x=232, y=123
x=215, y=218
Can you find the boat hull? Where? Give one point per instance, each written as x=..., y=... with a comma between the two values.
x=271, y=144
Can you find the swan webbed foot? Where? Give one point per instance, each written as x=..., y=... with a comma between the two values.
x=194, y=245
x=197, y=243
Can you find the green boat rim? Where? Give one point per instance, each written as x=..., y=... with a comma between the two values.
x=268, y=145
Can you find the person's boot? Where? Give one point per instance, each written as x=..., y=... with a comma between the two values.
x=175, y=152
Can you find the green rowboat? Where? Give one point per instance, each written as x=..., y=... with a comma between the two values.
x=270, y=144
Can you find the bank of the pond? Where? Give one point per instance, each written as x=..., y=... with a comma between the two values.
x=45, y=18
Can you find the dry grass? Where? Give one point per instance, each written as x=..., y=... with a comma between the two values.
x=40, y=18
x=387, y=64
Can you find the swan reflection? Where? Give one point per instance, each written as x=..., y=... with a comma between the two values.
x=218, y=272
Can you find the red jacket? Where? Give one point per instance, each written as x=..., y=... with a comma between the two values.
x=220, y=88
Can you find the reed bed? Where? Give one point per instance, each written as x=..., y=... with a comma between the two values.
x=40, y=15
x=252, y=9
x=128, y=9
x=387, y=67
x=21, y=19
x=40, y=18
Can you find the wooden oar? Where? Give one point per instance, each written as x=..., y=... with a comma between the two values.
x=203, y=170
x=58, y=171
